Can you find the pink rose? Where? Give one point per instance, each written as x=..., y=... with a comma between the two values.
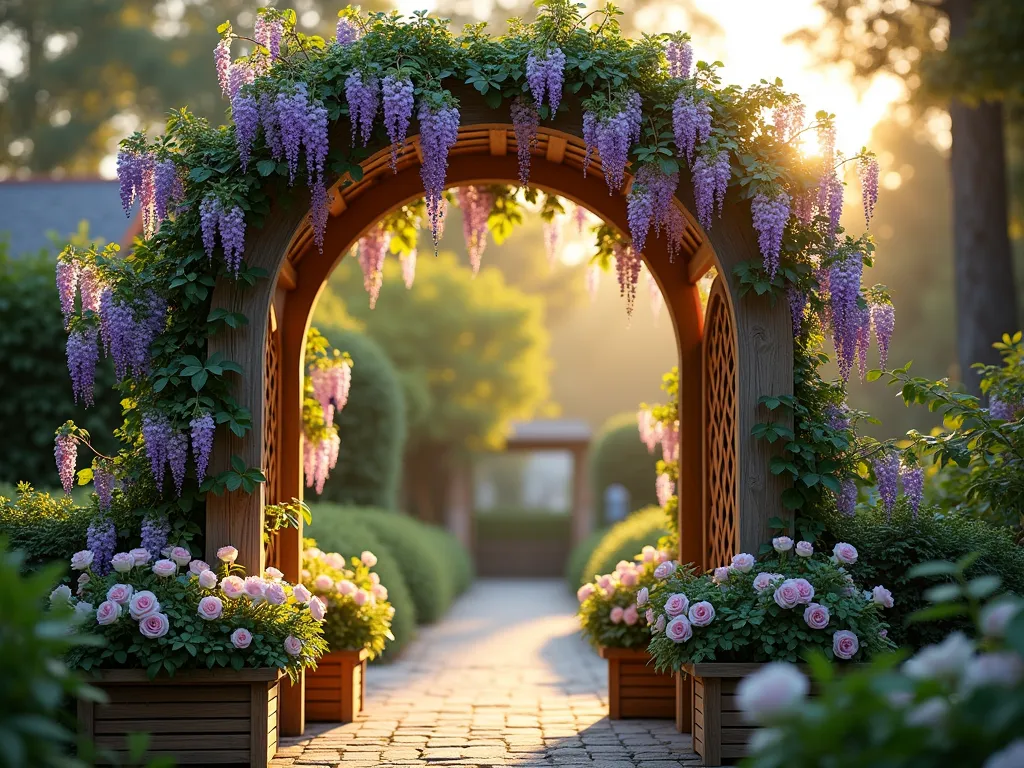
x=787, y=595
x=81, y=560
x=722, y=574
x=123, y=562
x=317, y=609
x=301, y=594
x=375, y=578
x=155, y=625
x=347, y=588
x=677, y=604
x=804, y=548
x=361, y=597
x=254, y=587
x=845, y=553
x=606, y=582
x=663, y=556
x=585, y=592
x=292, y=646
x=765, y=581
x=631, y=616
x=108, y=612
x=629, y=578
x=743, y=562
x=648, y=554
x=274, y=574
x=816, y=616
x=368, y=558
x=334, y=560
x=143, y=604
x=141, y=555
x=165, y=568
x=659, y=625
x=180, y=555
x=313, y=553
x=275, y=594
x=702, y=613
x=623, y=565
x=121, y=593
x=649, y=616
x=679, y=630
x=380, y=591
x=806, y=590
x=207, y=579
x=211, y=608
x=845, y=644
x=665, y=570
x=323, y=583
x=227, y=554
x=232, y=586
x=882, y=596
x=782, y=544
x=241, y=638
x=196, y=567
x=616, y=614
x=305, y=575
x=642, y=597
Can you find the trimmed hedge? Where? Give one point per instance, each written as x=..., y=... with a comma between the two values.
x=618, y=456
x=624, y=540
x=887, y=549
x=578, y=559
x=430, y=572
x=372, y=427
x=457, y=556
x=354, y=537
x=523, y=525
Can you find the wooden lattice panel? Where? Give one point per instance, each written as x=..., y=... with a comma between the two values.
x=271, y=412
x=721, y=507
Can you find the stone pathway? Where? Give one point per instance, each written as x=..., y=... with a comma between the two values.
x=503, y=680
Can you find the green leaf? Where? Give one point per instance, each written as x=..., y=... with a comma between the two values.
x=266, y=167
x=237, y=464
x=932, y=568
x=983, y=586
x=199, y=380
x=942, y=593
x=937, y=612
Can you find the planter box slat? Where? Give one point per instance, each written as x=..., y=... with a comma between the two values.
x=635, y=688
x=207, y=717
x=336, y=689
x=720, y=733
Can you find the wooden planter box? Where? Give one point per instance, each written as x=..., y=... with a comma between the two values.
x=720, y=734
x=635, y=689
x=202, y=717
x=336, y=689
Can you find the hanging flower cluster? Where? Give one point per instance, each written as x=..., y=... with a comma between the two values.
x=327, y=385
x=476, y=204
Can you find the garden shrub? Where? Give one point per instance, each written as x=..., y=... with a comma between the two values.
x=520, y=525
x=351, y=537
x=618, y=457
x=578, y=558
x=457, y=556
x=372, y=427
x=52, y=527
x=624, y=540
x=429, y=573
x=889, y=548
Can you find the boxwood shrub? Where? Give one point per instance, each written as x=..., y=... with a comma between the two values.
x=578, y=558
x=618, y=457
x=625, y=539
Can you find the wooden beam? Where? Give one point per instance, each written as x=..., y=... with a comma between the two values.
x=701, y=262
x=287, y=278
x=499, y=141
x=337, y=201
x=556, y=149
x=419, y=149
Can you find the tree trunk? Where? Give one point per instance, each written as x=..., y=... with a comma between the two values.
x=986, y=300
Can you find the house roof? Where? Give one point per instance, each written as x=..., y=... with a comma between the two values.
x=554, y=432
x=31, y=209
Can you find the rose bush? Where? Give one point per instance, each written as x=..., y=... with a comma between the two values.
x=773, y=609
x=613, y=608
x=359, y=614
x=958, y=702
x=176, y=613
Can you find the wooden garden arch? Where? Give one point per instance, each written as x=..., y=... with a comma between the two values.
x=740, y=350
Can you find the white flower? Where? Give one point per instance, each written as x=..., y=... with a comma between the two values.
x=664, y=570
x=929, y=713
x=369, y=559
x=762, y=738
x=1011, y=757
x=585, y=592
x=180, y=555
x=83, y=609
x=123, y=562
x=641, y=597
x=1003, y=669
x=207, y=579
x=165, y=568
x=782, y=543
x=274, y=574
x=61, y=594
x=227, y=554
x=996, y=616
x=804, y=548
x=882, y=596
x=300, y=593
x=81, y=560
x=945, y=661
x=845, y=553
x=775, y=688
